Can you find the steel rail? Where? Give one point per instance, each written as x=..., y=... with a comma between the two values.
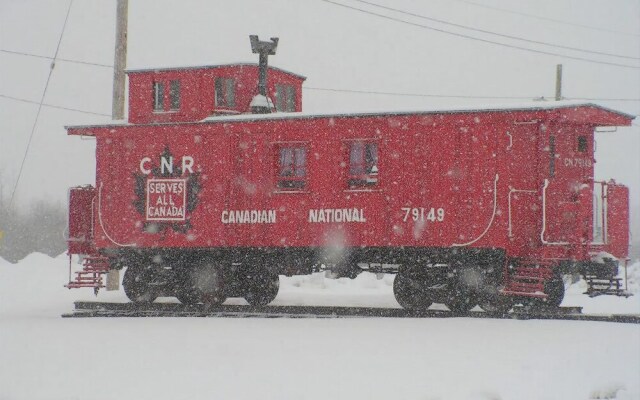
x=156, y=310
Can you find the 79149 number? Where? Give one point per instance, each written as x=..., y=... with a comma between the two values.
x=423, y=214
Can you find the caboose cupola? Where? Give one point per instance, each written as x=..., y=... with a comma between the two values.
x=191, y=94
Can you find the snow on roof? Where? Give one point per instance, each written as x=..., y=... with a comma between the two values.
x=213, y=66
x=525, y=106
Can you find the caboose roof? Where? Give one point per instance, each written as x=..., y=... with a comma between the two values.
x=214, y=66
x=591, y=112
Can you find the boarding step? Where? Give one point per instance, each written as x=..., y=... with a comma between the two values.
x=597, y=286
x=528, y=279
x=93, y=268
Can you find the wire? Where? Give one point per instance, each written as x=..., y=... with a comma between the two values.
x=44, y=92
x=419, y=94
x=457, y=96
x=482, y=40
x=53, y=106
x=52, y=58
x=557, y=21
x=497, y=34
x=599, y=98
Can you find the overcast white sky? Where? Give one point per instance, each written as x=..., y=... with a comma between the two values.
x=335, y=47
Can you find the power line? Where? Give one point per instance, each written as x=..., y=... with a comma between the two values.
x=56, y=59
x=497, y=34
x=601, y=99
x=418, y=94
x=44, y=92
x=458, y=96
x=53, y=106
x=481, y=40
x=557, y=21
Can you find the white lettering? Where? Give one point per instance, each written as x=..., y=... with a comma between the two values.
x=578, y=162
x=142, y=167
x=422, y=214
x=336, y=215
x=187, y=164
x=248, y=216
x=168, y=164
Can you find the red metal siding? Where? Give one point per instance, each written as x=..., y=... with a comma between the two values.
x=618, y=220
x=81, y=208
x=478, y=179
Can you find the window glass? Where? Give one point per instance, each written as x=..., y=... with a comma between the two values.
x=280, y=98
x=230, y=92
x=291, y=99
x=174, y=94
x=363, y=164
x=158, y=96
x=582, y=144
x=225, y=92
x=285, y=98
x=292, y=168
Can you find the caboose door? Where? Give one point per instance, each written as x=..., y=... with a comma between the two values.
x=523, y=196
x=566, y=184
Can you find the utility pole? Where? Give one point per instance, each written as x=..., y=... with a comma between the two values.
x=558, y=82
x=119, y=82
x=120, y=60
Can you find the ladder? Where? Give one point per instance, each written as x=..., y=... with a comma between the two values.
x=528, y=280
x=597, y=286
x=93, y=268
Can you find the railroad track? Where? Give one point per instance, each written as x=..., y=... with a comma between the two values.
x=89, y=309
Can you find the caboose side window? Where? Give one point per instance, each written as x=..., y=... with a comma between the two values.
x=285, y=98
x=363, y=164
x=225, y=92
x=174, y=95
x=582, y=144
x=292, y=168
x=158, y=96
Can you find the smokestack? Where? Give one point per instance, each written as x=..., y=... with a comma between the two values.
x=261, y=103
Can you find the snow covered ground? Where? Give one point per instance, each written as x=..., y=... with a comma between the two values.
x=43, y=356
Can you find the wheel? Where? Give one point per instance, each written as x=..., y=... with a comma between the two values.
x=410, y=292
x=496, y=304
x=461, y=304
x=554, y=289
x=136, y=283
x=462, y=291
x=187, y=294
x=202, y=284
x=262, y=287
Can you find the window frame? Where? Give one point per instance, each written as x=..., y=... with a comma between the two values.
x=369, y=178
x=285, y=98
x=582, y=144
x=298, y=180
x=224, y=89
x=158, y=96
x=174, y=95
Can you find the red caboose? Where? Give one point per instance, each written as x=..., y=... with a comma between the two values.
x=201, y=199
